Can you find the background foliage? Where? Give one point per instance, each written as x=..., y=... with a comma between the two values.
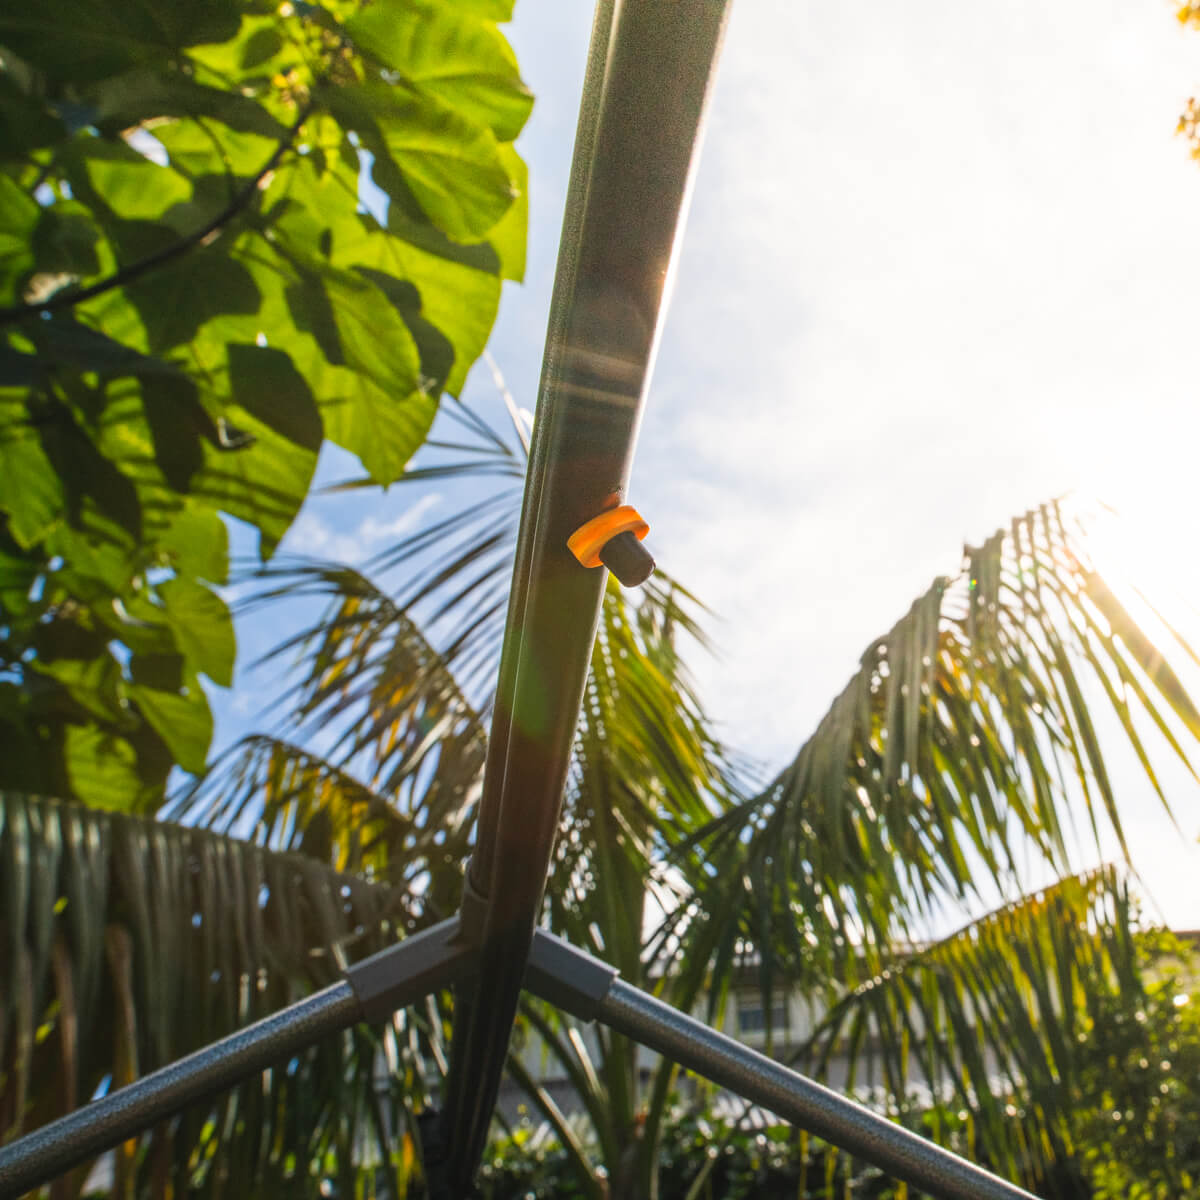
x=1130, y=1072
x=146, y=941
x=1139, y=1082
x=192, y=303
x=192, y=300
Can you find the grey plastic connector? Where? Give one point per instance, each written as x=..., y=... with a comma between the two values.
x=435, y=958
x=569, y=978
x=472, y=909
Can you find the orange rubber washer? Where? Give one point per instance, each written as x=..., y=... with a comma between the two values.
x=590, y=538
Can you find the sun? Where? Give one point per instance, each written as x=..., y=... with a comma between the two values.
x=1142, y=538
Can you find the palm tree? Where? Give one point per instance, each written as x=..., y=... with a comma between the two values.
x=968, y=729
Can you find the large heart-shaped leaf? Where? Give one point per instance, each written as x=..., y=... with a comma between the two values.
x=428, y=153
x=447, y=54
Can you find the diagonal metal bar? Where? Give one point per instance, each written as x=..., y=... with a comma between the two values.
x=371, y=991
x=47, y=1152
x=591, y=990
x=648, y=80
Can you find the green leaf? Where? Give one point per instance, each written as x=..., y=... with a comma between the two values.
x=92, y=682
x=264, y=382
x=183, y=722
x=313, y=198
x=373, y=338
x=262, y=49
x=154, y=92
x=25, y=124
x=258, y=456
x=479, y=256
x=382, y=429
x=157, y=433
x=78, y=41
x=490, y=10
x=65, y=240
x=257, y=476
x=17, y=574
x=195, y=149
x=374, y=401
x=124, y=181
x=17, y=370
x=199, y=382
x=509, y=236
x=176, y=301
x=138, y=621
x=31, y=492
x=102, y=768
x=203, y=628
x=450, y=166
x=65, y=344
x=197, y=543
x=93, y=570
x=97, y=495
x=18, y=217
x=450, y=57
x=456, y=297
x=435, y=349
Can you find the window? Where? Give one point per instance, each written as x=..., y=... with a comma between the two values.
x=752, y=1017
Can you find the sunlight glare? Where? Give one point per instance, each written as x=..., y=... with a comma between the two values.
x=1141, y=542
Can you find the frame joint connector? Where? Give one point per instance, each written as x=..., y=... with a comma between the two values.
x=569, y=978
x=426, y=962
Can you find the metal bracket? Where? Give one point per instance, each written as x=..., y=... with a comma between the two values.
x=570, y=979
x=426, y=962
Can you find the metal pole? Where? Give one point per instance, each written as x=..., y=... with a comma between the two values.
x=763, y=1081
x=592, y=990
x=371, y=990
x=649, y=77
x=49, y=1151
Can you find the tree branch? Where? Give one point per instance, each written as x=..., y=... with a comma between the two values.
x=127, y=275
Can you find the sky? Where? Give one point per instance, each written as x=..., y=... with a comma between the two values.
x=942, y=265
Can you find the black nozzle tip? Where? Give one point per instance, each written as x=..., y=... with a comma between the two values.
x=628, y=559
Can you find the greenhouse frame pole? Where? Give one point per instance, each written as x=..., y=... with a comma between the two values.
x=591, y=990
x=647, y=85
x=371, y=990
x=585, y=987
x=648, y=82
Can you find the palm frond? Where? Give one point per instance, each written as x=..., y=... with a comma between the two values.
x=982, y=1029
x=285, y=798
x=544, y=1103
x=126, y=943
x=382, y=698
x=388, y=753
x=967, y=732
x=452, y=575
x=969, y=727
x=647, y=770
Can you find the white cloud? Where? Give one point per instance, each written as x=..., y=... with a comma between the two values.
x=313, y=536
x=938, y=270
x=372, y=531
x=941, y=266
x=246, y=703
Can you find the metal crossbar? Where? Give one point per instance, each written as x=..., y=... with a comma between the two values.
x=648, y=80
x=556, y=971
x=592, y=991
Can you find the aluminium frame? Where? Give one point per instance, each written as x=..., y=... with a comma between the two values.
x=649, y=77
